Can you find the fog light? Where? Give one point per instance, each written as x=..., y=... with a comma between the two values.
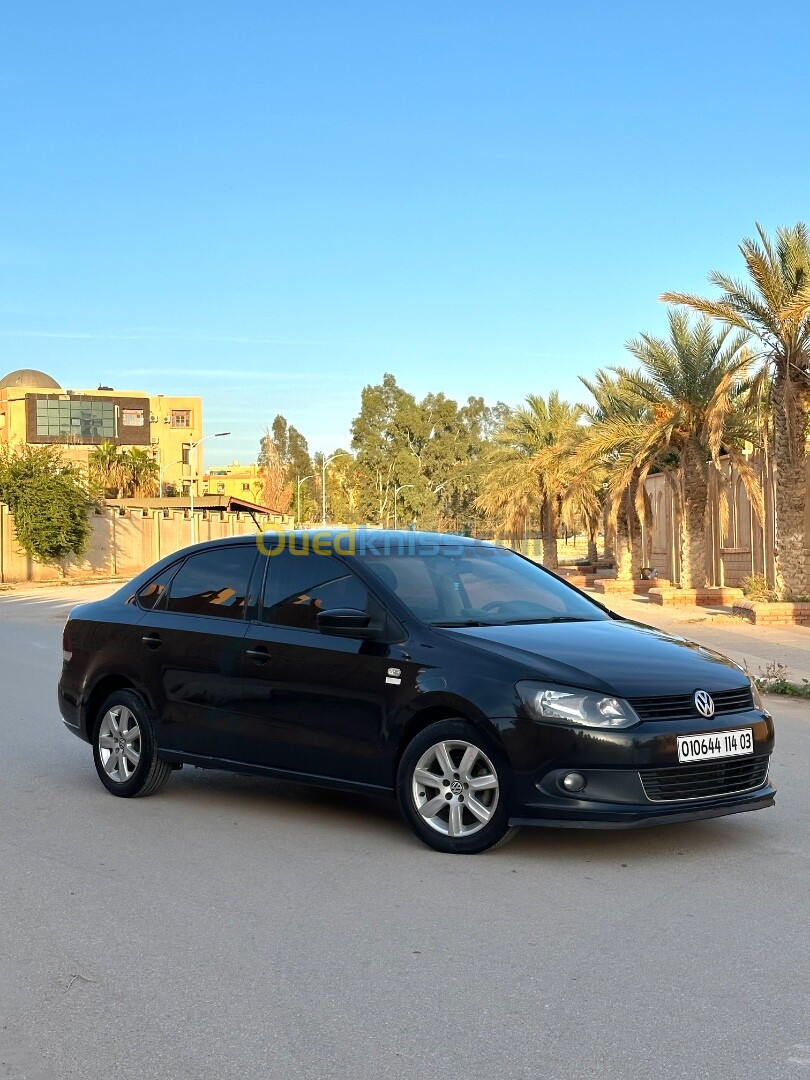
x=573, y=781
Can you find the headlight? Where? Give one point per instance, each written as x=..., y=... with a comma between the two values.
x=756, y=695
x=567, y=705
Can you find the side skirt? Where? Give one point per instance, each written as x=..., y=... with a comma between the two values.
x=203, y=762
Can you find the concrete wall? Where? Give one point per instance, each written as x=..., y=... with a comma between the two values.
x=121, y=544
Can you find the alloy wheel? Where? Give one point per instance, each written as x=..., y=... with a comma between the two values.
x=119, y=743
x=455, y=788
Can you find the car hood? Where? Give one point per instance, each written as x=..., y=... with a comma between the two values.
x=619, y=657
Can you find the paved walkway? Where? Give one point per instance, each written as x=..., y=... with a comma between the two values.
x=754, y=646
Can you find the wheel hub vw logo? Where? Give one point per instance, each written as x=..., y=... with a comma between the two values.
x=704, y=703
x=457, y=787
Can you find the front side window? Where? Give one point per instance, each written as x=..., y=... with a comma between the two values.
x=213, y=583
x=298, y=586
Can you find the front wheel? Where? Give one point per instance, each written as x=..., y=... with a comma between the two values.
x=124, y=749
x=454, y=789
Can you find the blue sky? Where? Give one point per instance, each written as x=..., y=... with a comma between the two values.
x=272, y=204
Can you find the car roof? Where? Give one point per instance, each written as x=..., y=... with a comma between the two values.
x=401, y=537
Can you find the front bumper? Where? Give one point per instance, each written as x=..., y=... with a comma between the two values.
x=633, y=777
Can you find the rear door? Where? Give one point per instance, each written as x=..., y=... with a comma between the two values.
x=191, y=647
x=313, y=703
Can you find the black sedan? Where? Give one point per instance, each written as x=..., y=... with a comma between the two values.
x=480, y=689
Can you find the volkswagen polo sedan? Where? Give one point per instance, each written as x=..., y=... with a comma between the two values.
x=476, y=687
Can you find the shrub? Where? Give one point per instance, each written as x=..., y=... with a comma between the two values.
x=48, y=499
x=756, y=588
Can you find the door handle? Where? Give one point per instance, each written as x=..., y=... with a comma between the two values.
x=151, y=641
x=260, y=655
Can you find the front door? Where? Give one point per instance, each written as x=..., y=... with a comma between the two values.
x=313, y=703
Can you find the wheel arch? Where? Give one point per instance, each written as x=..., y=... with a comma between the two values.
x=431, y=714
x=104, y=686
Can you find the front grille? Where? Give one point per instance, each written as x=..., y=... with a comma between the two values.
x=706, y=780
x=682, y=706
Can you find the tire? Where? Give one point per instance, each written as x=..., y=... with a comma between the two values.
x=124, y=748
x=434, y=779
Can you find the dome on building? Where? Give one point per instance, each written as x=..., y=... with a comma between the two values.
x=29, y=377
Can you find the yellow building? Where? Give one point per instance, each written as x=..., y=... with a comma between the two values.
x=238, y=481
x=34, y=409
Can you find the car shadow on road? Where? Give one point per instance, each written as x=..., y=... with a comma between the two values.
x=279, y=802
x=710, y=839
x=287, y=798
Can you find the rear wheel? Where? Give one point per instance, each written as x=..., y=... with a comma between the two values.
x=454, y=789
x=124, y=749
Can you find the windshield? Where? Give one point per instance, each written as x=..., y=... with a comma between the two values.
x=478, y=585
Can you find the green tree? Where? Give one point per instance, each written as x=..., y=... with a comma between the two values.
x=105, y=466
x=48, y=499
x=774, y=307
x=610, y=447
x=534, y=471
x=284, y=447
x=122, y=473
x=429, y=452
x=141, y=473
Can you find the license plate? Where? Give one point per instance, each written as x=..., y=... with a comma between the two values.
x=715, y=744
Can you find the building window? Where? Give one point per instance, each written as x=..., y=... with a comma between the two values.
x=181, y=417
x=132, y=417
x=220, y=489
x=245, y=487
x=82, y=420
x=186, y=454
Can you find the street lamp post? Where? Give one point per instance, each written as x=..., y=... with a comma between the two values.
x=326, y=461
x=162, y=469
x=192, y=451
x=299, y=481
x=397, y=490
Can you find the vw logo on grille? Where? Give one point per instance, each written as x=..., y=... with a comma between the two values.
x=704, y=703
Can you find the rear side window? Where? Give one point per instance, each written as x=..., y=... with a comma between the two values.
x=153, y=595
x=213, y=582
x=297, y=587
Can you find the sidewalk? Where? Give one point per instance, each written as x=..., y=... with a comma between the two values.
x=755, y=647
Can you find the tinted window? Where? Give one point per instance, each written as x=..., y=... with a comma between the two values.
x=297, y=587
x=213, y=583
x=478, y=583
x=152, y=595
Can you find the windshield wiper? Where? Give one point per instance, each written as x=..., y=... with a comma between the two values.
x=551, y=619
x=466, y=622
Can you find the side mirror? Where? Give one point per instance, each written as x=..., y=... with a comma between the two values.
x=346, y=622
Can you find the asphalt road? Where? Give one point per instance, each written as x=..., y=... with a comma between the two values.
x=240, y=927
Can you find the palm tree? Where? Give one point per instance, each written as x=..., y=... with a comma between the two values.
x=106, y=469
x=611, y=444
x=141, y=473
x=532, y=470
x=774, y=307
x=681, y=414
